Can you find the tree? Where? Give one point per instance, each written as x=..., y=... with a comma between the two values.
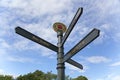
x=37, y=75
x=6, y=77
x=81, y=78
x=50, y=76
x=67, y=77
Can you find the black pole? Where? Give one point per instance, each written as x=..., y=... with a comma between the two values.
x=60, y=56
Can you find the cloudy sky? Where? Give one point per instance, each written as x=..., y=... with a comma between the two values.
x=18, y=55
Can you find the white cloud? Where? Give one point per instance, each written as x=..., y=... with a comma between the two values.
x=1, y=71
x=116, y=37
x=116, y=77
x=20, y=11
x=113, y=77
x=4, y=47
x=115, y=64
x=104, y=15
x=110, y=7
x=37, y=7
x=110, y=76
x=97, y=59
x=4, y=44
x=105, y=27
x=44, y=31
x=2, y=52
x=101, y=38
x=24, y=45
x=48, y=53
x=32, y=9
x=21, y=59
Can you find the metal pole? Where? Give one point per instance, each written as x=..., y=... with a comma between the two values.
x=60, y=55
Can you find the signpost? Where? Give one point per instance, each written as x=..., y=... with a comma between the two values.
x=60, y=28
x=42, y=42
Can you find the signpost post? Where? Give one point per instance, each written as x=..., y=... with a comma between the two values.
x=60, y=28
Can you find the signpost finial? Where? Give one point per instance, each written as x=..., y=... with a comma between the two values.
x=59, y=27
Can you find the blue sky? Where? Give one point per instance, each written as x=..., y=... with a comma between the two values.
x=18, y=55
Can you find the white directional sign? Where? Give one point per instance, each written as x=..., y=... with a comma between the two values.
x=84, y=42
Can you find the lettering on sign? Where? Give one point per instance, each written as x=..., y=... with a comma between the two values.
x=81, y=44
x=77, y=47
x=40, y=41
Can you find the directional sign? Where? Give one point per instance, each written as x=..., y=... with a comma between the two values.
x=84, y=42
x=40, y=41
x=35, y=38
x=72, y=24
x=74, y=63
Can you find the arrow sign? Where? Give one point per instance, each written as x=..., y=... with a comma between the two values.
x=35, y=38
x=84, y=42
x=72, y=24
x=40, y=41
x=74, y=63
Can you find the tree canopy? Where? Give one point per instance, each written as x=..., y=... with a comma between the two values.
x=6, y=77
x=39, y=75
x=81, y=78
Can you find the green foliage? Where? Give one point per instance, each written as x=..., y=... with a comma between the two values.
x=81, y=78
x=67, y=78
x=39, y=75
x=50, y=76
x=6, y=77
